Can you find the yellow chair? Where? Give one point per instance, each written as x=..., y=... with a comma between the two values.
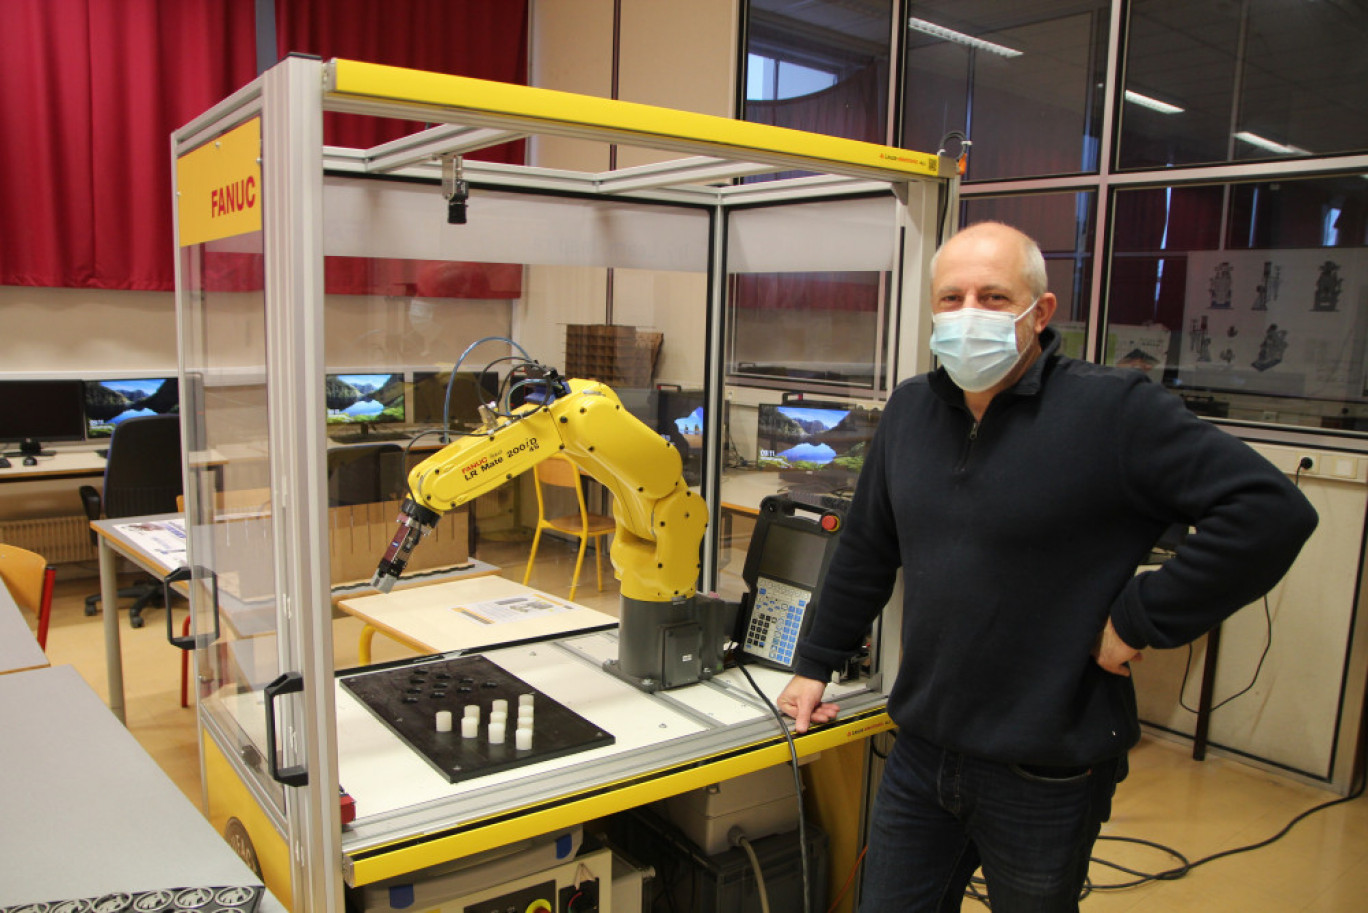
x=29, y=578
x=560, y=472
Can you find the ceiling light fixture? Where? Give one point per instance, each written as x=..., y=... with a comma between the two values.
x=940, y=31
x=1153, y=104
x=1255, y=139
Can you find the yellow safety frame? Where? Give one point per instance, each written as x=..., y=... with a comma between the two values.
x=290, y=100
x=379, y=863
x=479, y=102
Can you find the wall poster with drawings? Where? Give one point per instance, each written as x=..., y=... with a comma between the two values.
x=1277, y=322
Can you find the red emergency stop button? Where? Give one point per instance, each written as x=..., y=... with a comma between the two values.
x=831, y=522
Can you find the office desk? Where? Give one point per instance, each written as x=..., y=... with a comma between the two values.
x=63, y=464
x=19, y=649
x=87, y=811
x=444, y=616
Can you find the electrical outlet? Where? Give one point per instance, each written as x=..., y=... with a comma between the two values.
x=1308, y=464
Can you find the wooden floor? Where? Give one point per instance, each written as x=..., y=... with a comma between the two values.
x=1196, y=808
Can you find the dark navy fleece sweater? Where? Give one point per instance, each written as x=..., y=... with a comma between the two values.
x=1020, y=534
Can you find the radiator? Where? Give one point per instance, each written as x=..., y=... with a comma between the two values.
x=61, y=540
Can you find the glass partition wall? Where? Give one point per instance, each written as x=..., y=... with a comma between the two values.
x=1136, y=139
x=1195, y=175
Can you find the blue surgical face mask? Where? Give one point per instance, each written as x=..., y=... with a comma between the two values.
x=977, y=348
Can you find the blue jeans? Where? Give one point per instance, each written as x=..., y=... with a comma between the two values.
x=939, y=815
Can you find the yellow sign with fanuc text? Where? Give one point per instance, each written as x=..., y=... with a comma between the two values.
x=218, y=187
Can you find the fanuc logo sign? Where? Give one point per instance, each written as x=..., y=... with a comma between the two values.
x=218, y=187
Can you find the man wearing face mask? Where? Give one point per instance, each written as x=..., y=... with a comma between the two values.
x=1018, y=490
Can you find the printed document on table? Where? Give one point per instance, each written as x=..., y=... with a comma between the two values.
x=164, y=539
x=510, y=609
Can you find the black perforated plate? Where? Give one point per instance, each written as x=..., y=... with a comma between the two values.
x=407, y=698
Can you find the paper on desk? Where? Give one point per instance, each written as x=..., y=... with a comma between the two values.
x=511, y=609
x=163, y=538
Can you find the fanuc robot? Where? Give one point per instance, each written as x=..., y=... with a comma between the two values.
x=669, y=635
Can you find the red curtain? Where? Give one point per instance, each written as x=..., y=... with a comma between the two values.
x=826, y=291
x=485, y=39
x=90, y=91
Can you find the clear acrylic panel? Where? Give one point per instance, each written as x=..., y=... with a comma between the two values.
x=229, y=515
x=426, y=321
x=809, y=291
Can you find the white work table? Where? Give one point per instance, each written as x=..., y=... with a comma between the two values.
x=665, y=743
x=87, y=812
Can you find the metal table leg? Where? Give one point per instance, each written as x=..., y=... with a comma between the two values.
x=109, y=607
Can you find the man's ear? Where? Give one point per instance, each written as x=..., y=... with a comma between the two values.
x=1044, y=312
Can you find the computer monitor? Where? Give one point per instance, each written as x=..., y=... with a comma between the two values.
x=35, y=412
x=364, y=399
x=469, y=390
x=109, y=402
x=679, y=419
x=824, y=443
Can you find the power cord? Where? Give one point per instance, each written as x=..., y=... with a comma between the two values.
x=1185, y=866
x=850, y=879
x=797, y=778
x=737, y=837
x=1179, y=871
x=1268, y=643
x=1304, y=463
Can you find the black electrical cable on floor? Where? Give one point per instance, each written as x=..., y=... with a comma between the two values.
x=1185, y=866
x=797, y=779
x=1179, y=871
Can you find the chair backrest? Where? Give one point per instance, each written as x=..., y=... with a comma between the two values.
x=23, y=572
x=29, y=579
x=365, y=473
x=559, y=471
x=143, y=470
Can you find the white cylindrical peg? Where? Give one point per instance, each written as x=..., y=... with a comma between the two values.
x=472, y=710
x=496, y=732
x=499, y=705
x=522, y=738
x=470, y=727
x=525, y=700
x=498, y=716
x=525, y=713
x=443, y=720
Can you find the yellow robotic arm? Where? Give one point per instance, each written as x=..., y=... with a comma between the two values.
x=668, y=636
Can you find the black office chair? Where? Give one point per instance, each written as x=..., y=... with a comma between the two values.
x=365, y=474
x=142, y=476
